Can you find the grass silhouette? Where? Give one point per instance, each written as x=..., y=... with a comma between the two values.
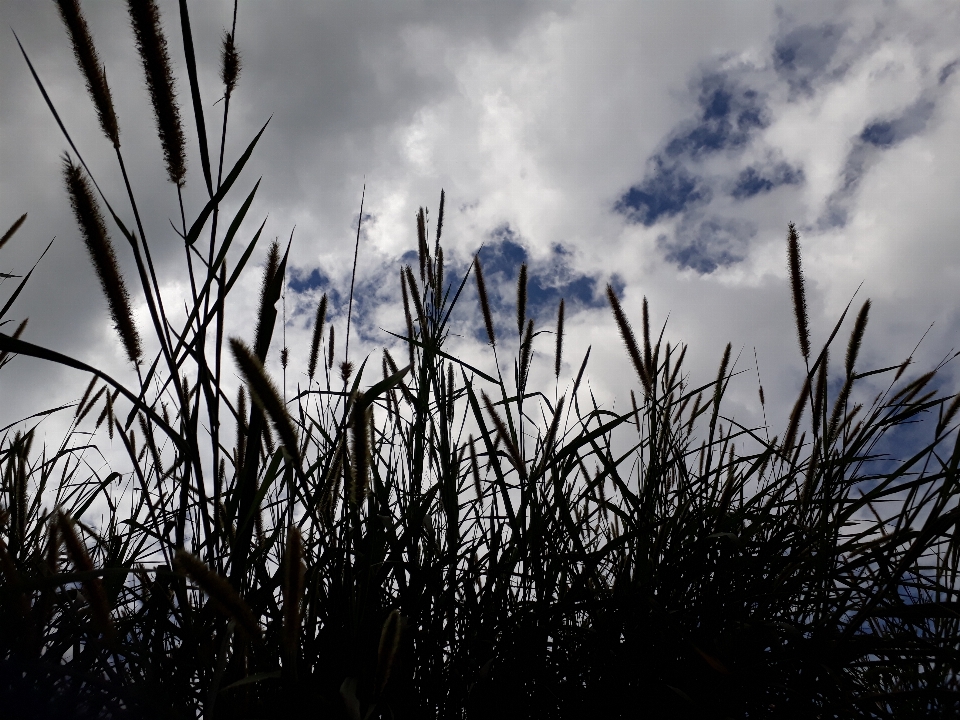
x=433, y=541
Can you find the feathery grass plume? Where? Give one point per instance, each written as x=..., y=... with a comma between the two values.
x=417, y=301
x=241, y=428
x=346, y=370
x=110, y=418
x=389, y=645
x=229, y=63
x=450, y=393
x=790, y=436
x=856, y=337
x=88, y=216
x=796, y=285
x=89, y=62
x=92, y=587
x=626, y=332
x=317, y=336
x=521, y=298
x=551, y=435
x=152, y=46
x=360, y=428
x=330, y=348
x=13, y=229
x=294, y=572
x=526, y=353
x=648, y=358
x=406, y=312
x=265, y=394
x=820, y=396
x=484, y=302
x=16, y=335
x=558, y=354
x=86, y=394
x=948, y=414
x=839, y=407
x=422, y=244
x=266, y=305
x=475, y=468
x=440, y=217
x=439, y=275
x=504, y=433
x=219, y=590
x=721, y=376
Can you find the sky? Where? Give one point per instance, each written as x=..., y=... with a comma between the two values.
x=662, y=147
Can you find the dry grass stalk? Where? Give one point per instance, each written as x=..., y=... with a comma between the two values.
x=484, y=301
x=152, y=46
x=265, y=394
x=294, y=572
x=626, y=332
x=521, y=298
x=13, y=229
x=89, y=62
x=389, y=645
x=558, y=354
x=796, y=285
x=475, y=469
x=317, y=336
x=9, y=570
x=92, y=587
x=94, y=232
x=219, y=590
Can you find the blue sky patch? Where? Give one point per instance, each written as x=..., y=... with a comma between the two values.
x=728, y=114
x=753, y=181
x=668, y=190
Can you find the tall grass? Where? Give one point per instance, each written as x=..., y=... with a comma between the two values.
x=434, y=541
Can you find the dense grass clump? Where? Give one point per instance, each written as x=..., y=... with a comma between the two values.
x=419, y=539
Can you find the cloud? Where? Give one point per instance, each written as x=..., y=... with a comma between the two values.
x=802, y=55
x=706, y=245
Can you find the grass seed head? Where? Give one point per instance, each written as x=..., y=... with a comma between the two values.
x=89, y=62
x=152, y=46
x=797, y=286
x=87, y=212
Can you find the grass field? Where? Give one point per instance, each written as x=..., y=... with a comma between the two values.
x=411, y=537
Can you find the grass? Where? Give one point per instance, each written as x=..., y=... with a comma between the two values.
x=417, y=538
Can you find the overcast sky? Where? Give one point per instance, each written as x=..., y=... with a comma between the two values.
x=661, y=146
